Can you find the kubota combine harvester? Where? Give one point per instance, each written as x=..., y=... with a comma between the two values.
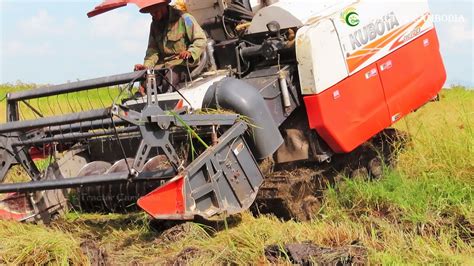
x=290, y=80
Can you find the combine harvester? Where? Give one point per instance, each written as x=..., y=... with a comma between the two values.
x=287, y=80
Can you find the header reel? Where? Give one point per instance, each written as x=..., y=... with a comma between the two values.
x=110, y=157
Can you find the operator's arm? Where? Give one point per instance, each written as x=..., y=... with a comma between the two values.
x=151, y=55
x=196, y=36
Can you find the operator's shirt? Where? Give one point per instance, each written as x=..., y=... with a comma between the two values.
x=167, y=39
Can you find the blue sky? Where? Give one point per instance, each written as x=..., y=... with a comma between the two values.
x=54, y=41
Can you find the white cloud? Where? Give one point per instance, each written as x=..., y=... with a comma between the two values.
x=127, y=32
x=20, y=48
x=42, y=23
x=120, y=26
x=456, y=37
x=133, y=46
x=461, y=32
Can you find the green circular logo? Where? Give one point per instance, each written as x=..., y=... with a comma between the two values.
x=352, y=19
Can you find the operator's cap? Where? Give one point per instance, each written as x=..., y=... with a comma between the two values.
x=107, y=5
x=151, y=5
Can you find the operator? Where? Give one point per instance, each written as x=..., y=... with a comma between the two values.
x=176, y=42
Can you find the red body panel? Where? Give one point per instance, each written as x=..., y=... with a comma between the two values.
x=351, y=112
x=15, y=206
x=415, y=76
x=166, y=202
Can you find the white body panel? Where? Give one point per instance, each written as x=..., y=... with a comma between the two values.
x=259, y=4
x=294, y=13
x=380, y=28
x=384, y=27
x=194, y=94
x=207, y=10
x=202, y=10
x=321, y=62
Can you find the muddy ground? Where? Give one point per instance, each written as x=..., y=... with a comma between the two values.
x=292, y=191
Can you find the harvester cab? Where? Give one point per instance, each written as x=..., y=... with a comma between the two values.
x=281, y=81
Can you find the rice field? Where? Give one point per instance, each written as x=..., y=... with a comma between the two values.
x=421, y=212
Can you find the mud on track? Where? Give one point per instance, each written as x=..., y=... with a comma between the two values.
x=295, y=191
x=310, y=254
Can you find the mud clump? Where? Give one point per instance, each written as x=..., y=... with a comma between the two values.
x=186, y=256
x=175, y=233
x=97, y=255
x=310, y=254
x=289, y=195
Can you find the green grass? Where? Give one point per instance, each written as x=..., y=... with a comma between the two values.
x=422, y=212
x=61, y=104
x=38, y=245
x=55, y=105
x=8, y=88
x=420, y=220
x=443, y=138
